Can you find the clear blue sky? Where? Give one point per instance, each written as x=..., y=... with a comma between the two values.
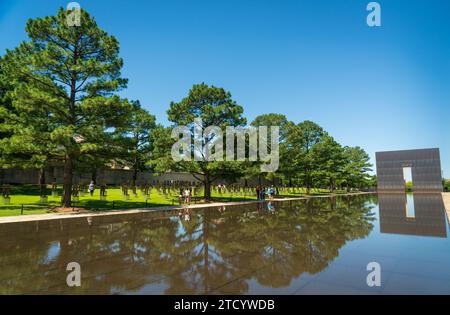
x=384, y=88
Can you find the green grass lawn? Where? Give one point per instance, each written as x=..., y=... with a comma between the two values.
x=302, y=192
x=31, y=202
x=28, y=196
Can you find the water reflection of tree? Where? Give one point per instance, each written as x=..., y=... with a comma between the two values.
x=301, y=237
x=18, y=262
x=192, y=257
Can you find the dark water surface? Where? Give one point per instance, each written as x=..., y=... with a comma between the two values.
x=321, y=245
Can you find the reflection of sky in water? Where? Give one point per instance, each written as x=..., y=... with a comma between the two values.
x=115, y=246
x=410, y=211
x=53, y=252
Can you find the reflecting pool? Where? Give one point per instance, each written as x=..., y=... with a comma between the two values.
x=315, y=246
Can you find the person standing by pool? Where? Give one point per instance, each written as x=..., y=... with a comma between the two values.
x=187, y=194
x=263, y=193
x=271, y=192
x=103, y=190
x=91, y=188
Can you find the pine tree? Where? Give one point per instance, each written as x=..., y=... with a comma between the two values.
x=65, y=80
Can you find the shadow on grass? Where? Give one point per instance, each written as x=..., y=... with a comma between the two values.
x=31, y=190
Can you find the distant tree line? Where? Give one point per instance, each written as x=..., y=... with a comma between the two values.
x=446, y=184
x=59, y=105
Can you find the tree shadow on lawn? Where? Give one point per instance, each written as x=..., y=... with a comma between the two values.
x=31, y=190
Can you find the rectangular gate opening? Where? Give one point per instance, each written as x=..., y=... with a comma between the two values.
x=407, y=175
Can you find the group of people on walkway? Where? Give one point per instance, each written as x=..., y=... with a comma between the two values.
x=185, y=195
x=262, y=191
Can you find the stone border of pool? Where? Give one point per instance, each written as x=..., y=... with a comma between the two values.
x=58, y=216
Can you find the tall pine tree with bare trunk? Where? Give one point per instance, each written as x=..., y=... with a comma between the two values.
x=67, y=76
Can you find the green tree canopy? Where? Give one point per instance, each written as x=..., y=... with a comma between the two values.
x=301, y=140
x=357, y=168
x=285, y=126
x=215, y=107
x=138, y=139
x=328, y=162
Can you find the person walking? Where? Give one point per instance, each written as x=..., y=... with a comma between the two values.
x=258, y=192
x=91, y=188
x=186, y=196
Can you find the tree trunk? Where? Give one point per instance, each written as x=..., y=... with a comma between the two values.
x=68, y=167
x=1, y=176
x=135, y=175
x=333, y=203
x=308, y=181
x=207, y=184
x=42, y=181
x=94, y=176
x=68, y=173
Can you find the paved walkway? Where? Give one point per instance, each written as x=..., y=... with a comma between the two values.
x=446, y=198
x=58, y=216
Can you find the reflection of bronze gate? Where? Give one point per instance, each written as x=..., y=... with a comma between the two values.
x=425, y=168
x=429, y=219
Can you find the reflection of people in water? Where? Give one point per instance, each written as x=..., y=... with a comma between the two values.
x=186, y=213
x=270, y=207
x=221, y=209
x=259, y=207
